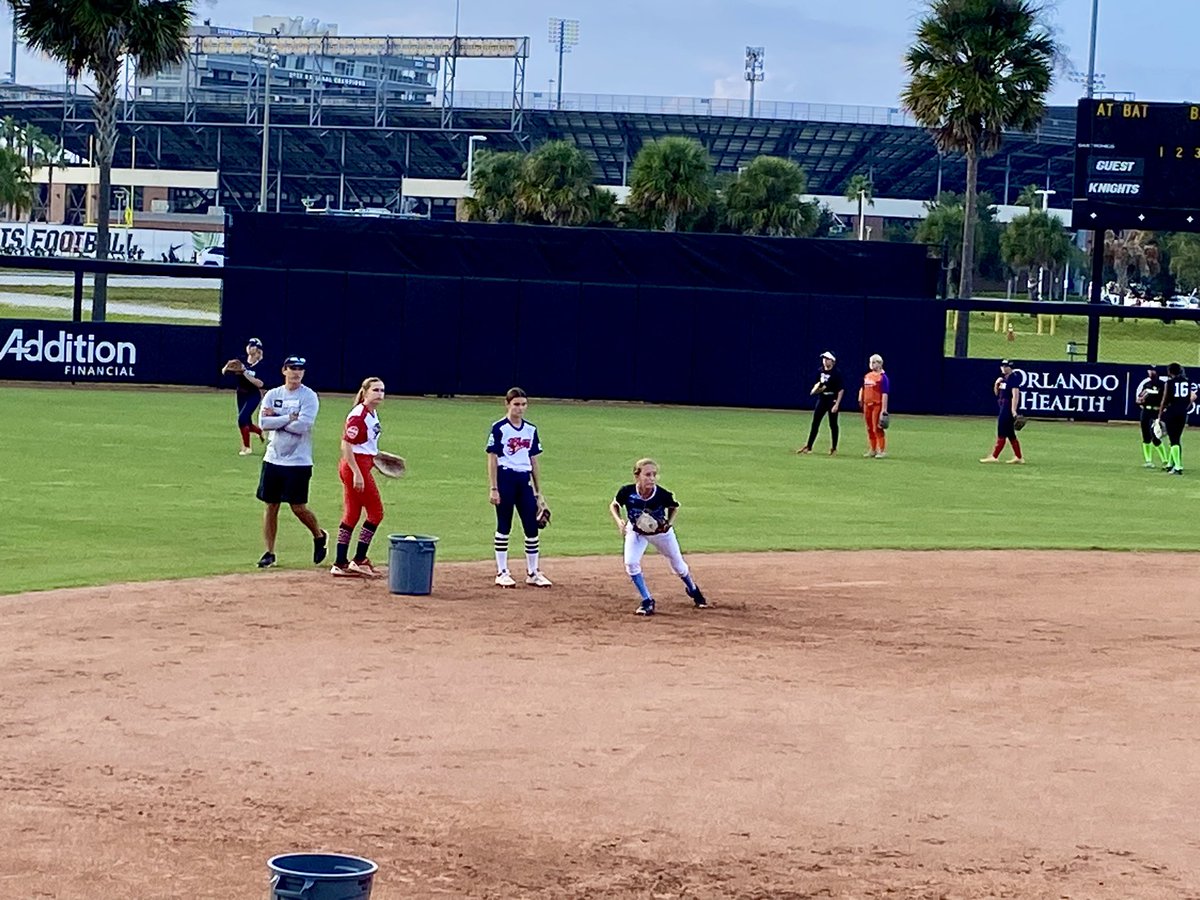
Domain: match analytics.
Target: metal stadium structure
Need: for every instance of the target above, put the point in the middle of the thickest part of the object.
(354, 149)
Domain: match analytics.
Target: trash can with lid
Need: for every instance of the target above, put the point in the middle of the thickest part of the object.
(321, 876)
(410, 563)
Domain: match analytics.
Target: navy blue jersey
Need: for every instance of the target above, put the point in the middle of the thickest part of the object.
(246, 387)
(1007, 384)
(656, 504)
(514, 446)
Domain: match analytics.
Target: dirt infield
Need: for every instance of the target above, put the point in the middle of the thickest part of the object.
(837, 725)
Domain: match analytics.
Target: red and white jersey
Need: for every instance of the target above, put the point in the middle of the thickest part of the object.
(362, 431)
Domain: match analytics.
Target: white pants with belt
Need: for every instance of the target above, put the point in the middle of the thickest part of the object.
(665, 543)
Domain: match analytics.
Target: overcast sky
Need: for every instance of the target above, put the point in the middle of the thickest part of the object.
(844, 51)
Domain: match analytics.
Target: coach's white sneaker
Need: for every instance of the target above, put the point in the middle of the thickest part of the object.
(537, 579)
(882, 454)
(505, 580)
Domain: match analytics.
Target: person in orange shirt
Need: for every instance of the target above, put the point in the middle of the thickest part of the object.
(873, 399)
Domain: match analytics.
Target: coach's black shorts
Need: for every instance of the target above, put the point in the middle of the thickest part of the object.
(284, 484)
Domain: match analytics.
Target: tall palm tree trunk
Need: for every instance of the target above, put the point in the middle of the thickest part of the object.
(966, 284)
(105, 110)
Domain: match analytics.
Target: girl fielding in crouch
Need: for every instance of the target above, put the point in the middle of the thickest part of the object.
(360, 443)
(651, 511)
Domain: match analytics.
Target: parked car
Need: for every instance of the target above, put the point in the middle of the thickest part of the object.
(211, 256)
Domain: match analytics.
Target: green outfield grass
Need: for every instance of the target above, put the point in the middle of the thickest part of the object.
(1130, 341)
(104, 485)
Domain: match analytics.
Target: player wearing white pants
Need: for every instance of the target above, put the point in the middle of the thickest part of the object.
(650, 510)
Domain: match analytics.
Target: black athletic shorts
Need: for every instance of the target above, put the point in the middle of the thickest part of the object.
(284, 484)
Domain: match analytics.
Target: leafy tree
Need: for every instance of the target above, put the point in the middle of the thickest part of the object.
(494, 180)
(1131, 252)
(671, 178)
(978, 67)
(16, 188)
(1029, 197)
(605, 210)
(555, 186)
(1185, 260)
(766, 197)
(96, 36)
(943, 227)
(1034, 242)
(861, 189)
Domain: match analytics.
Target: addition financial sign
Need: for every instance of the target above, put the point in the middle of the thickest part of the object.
(1137, 165)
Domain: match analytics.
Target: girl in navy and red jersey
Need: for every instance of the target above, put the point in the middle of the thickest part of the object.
(514, 483)
(360, 444)
(249, 393)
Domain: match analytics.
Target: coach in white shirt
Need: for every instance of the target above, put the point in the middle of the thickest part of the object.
(287, 416)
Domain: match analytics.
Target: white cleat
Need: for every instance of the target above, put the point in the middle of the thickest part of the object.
(505, 580)
(537, 579)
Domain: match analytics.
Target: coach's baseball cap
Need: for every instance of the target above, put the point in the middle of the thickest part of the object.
(254, 342)
(1006, 362)
(828, 355)
(295, 362)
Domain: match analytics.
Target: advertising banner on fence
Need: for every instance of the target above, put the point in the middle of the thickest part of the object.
(38, 350)
(1059, 390)
(139, 244)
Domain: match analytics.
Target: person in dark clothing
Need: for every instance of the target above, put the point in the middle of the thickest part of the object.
(828, 390)
(1177, 400)
(1149, 398)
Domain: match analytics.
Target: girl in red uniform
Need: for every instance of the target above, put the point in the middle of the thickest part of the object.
(360, 444)
(873, 400)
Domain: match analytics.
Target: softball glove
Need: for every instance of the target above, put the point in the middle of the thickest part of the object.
(884, 421)
(1156, 427)
(543, 514)
(390, 465)
(1018, 423)
(236, 366)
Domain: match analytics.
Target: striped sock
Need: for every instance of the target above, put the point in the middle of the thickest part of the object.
(501, 547)
(531, 554)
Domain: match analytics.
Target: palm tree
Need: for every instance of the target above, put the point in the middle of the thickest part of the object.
(16, 188)
(671, 177)
(1030, 197)
(860, 188)
(494, 179)
(1131, 251)
(556, 185)
(1034, 242)
(96, 37)
(1185, 259)
(766, 198)
(978, 67)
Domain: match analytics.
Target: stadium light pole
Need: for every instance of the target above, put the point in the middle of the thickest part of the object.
(1091, 73)
(564, 34)
(754, 71)
(269, 62)
(471, 155)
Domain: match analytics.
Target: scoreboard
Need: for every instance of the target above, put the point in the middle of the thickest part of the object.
(1137, 165)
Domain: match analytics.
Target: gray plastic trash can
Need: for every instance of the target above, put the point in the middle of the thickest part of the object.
(321, 876)
(410, 563)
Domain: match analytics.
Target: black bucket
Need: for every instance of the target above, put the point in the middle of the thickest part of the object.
(321, 876)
